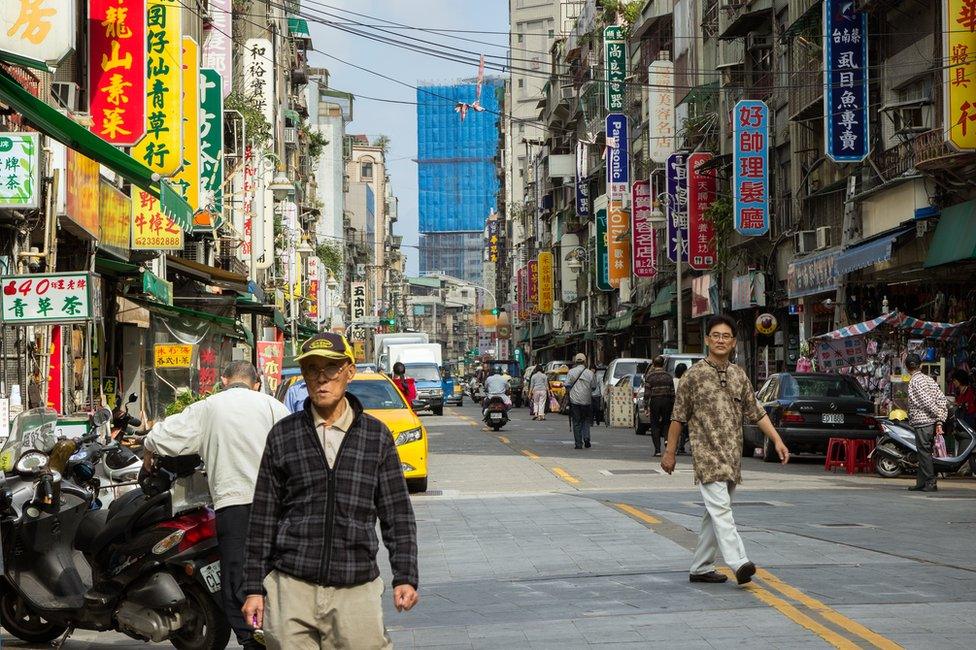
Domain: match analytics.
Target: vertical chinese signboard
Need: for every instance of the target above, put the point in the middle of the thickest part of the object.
(582, 188)
(211, 150)
(259, 76)
(249, 197)
(314, 269)
(546, 282)
(643, 243)
(117, 70)
(701, 195)
(82, 192)
(602, 254)
(660, 110)
(959, 73)
(115, 210)
(37, 33)
(18, 170)
(533, 293)
(846, 120)
(521, 289)
(358, 301)
(151, 229)
(615, 62)
(217, 50)
(187, 180)
(162, 147)
(677, 189)
(618, 242)
(271, 355)
(618, 160)
(491, 235)
(750, 166)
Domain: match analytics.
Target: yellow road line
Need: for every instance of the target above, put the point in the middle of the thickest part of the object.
(638, 514)
(564, 475)
(504, 440)
(795, 615)
(828, 613)
(530, 454)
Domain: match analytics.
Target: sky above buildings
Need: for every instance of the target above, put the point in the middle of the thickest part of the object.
(399, 121)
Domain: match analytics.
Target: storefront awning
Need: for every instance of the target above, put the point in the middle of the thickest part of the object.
(106, 266)
(622, 322)
(56, 125)
(298, 27)
(869, 253)
(914, 326)
(208, 274)
(955, 236)
(663, 304)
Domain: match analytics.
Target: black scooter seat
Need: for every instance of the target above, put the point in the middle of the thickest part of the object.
(102, 527)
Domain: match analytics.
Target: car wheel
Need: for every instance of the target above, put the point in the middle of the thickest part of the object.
(748, 449)
(769, 452)
(416, 485)
(437, 410)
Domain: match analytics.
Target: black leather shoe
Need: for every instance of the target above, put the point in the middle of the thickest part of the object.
(745, 572)
(924, 488)
(578, 447)
(711, 576)
(587, 444)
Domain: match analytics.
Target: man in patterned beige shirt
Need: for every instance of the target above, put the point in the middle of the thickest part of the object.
(712, 399)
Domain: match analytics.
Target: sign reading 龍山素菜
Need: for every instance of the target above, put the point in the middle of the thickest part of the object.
(750, 167)
(18, 170)
(172, 355)
(46, 298)
(117, 70)
(846, 119)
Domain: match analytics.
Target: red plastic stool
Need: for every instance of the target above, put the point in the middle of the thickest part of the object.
(859, 453)
(837, 454)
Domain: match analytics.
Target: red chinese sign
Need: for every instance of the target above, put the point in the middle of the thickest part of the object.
(271, 355)
(117, 70)
(701, 195)
(55, 369)
(208, 369)
(532, 294)
(250, 181)
(313, 300)
(643, 239)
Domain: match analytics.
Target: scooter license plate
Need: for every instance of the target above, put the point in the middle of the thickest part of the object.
(496, 416)
(833, 418)
(211, 575)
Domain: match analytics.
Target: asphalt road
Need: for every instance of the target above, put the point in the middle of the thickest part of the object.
(528, 542)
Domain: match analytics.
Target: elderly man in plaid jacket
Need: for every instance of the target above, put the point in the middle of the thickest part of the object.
(328, 472)
(927, 412)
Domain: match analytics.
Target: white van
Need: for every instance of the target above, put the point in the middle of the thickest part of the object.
(673, 361)
(620, 368)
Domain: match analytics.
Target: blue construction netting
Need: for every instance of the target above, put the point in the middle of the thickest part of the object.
(457, 179)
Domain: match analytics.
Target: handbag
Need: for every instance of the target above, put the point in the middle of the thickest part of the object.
(564, 403)
(939, 447)
(554, 405)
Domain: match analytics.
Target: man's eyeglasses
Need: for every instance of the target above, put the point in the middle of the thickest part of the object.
(327, 373)
(721, 336)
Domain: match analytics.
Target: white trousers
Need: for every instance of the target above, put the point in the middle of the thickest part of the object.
(718, 530)
(539, 397)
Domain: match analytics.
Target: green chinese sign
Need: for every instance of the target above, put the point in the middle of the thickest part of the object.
(211, 149)
(602, 252)
(46, 298)
(19, 170)
(615, 62)
(161, 290)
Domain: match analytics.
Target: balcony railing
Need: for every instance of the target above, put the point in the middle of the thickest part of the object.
(806, 88)
(932, 152)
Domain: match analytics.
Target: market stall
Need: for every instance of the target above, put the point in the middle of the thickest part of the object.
(874, 353)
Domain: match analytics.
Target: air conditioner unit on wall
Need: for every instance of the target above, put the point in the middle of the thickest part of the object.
(823, 237)
(806, 241)
(756, 41)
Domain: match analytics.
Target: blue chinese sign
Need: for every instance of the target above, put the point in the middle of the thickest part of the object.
(677, 189)
(750, 182)
(618, 168)
(846, 128)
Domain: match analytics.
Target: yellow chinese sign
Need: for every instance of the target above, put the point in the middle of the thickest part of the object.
(162, 147)
(188, 178)
(172, 355)
(545, 282)
(959, 43)
(151, 229)
(38, 33)
(115, 210)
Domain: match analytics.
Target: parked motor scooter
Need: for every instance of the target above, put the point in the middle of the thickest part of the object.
(496, 412)
(148, 565)
(896, 452)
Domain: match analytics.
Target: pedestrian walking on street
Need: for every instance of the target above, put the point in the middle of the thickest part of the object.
(228, 430)
(712, 399)
(539, 390)
(327, 474)
(659, 400)
(927, 412)
(579, 382)
(407, 385)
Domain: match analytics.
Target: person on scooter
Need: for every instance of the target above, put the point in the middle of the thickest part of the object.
(228, 430)
(927, 412)
(497, 386)
(327, 474)
(407, 385)
(965, 396)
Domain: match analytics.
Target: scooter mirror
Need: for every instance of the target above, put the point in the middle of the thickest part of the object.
(101, 416)
(133, 398)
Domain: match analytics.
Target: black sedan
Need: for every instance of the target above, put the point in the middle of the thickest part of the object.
(808, 409)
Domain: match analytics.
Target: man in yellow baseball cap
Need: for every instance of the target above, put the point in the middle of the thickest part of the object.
(326, 345)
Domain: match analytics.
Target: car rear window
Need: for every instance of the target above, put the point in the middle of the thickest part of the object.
(629, 368)
(376, 394)
(839, 386)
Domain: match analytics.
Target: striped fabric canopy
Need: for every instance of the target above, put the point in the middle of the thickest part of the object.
(919, 328)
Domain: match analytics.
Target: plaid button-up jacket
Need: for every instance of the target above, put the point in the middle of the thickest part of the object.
(319, 524)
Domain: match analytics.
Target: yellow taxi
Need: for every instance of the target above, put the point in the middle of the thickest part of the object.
(557, 381)
(383, 400)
